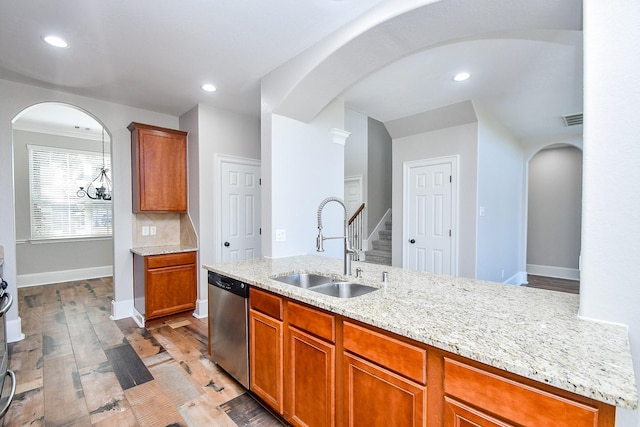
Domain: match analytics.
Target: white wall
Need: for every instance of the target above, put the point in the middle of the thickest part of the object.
(213, 131)
(500, 184)
(460, 140)
(306, 167)
(15, 98)
(379, 163)
(610, 286)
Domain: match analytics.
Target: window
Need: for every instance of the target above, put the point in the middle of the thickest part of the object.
(55, 176)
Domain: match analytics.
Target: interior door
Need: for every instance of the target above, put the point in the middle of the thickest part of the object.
(240, 211)
(352, 193)
(429, 217)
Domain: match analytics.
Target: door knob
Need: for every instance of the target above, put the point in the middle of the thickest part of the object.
(412, 241)
(227, 244)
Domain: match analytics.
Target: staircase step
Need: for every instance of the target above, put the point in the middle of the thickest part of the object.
(388, 225)
(384, 234)
(378, 257)
(382, 245)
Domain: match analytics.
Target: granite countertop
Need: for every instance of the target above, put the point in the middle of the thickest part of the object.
(530, 332)
(162, 250)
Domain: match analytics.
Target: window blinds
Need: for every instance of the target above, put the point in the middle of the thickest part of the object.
(55, 176)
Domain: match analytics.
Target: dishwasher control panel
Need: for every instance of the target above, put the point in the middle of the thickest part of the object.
(228, 284)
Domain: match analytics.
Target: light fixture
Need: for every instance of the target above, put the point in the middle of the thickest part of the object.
(55, 41)
(208, 87)
(460, 77)
(100, 188)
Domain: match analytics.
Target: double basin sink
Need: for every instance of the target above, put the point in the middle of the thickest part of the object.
(326, 285)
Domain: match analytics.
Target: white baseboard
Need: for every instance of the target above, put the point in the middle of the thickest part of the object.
(14, 330)
(121, 309)
(517, 279)
(202, 309)
(137, 317)
(551, 271)
(36, 279)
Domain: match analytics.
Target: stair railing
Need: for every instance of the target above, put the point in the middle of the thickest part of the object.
(355, 232)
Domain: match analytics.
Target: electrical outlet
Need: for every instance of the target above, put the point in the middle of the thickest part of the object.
(152, 230)
(145, 230)
(281, 235)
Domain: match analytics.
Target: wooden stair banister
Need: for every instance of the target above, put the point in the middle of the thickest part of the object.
(356, 213)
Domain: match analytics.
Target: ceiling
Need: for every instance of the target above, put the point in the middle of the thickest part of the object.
(156, 55)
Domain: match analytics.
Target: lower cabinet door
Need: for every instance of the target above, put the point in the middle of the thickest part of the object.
(375, 396)
(265, 350)
(311, 380)
(458, 414)
(170, 290)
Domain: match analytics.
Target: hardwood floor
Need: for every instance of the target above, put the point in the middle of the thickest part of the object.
(77, 367)
(553, 284)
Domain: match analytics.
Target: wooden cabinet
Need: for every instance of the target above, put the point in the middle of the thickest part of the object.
(480, 397)
(333, 371)
(384, 379)
(159, 169)
(310, 368)
(266, 367)
(165, 284)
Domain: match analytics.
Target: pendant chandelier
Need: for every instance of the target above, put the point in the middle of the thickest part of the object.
(100, 188)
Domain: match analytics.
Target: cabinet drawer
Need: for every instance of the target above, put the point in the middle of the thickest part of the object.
(313, 321)
(396, 355)
(516, 402)
(169, 260)
(266, 303)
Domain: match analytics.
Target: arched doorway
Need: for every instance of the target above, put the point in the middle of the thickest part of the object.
(61, 234)
(554, 217)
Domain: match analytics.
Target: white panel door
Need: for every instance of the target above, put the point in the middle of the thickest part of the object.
(429, 218)
(352, 193)
(240, 211)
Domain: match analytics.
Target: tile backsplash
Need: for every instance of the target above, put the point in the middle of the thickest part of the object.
(167, 229)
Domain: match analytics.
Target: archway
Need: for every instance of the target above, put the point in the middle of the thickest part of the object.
(60, 236)
(554, 211)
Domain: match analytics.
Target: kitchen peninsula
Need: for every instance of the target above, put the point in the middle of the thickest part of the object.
(525, 343)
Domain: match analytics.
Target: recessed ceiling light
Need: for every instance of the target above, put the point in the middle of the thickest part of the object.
(55, 41)
(460, 77)
(208, 87)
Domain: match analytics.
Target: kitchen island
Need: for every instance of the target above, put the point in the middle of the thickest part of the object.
(532, 333)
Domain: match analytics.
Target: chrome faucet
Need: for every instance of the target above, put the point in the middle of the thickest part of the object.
(320, 239)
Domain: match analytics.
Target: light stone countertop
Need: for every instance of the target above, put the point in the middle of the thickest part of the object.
(530, 332)
(162, 250)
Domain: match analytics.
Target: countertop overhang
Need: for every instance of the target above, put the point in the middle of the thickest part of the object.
(162, 250)
(529, 332)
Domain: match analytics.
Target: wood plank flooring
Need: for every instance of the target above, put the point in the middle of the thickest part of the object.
(77, 367)
(553, 284)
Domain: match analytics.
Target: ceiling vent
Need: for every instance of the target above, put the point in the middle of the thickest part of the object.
(572, 119)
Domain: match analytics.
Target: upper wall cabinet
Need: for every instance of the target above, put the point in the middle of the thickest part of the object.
(159, 169)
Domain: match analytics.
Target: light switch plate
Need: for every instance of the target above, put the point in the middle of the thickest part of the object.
(152, 230)
(145, 230)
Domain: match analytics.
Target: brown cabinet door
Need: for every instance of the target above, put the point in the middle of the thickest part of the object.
(376, 397)
(170, 290)
(310, 380)
(159, 173)
(460, 415)
(266, 367)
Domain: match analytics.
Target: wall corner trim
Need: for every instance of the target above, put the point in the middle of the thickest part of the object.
(339, 136)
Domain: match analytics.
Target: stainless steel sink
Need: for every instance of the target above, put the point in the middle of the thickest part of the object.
(325, 285)
(304, 280)
(343, 289)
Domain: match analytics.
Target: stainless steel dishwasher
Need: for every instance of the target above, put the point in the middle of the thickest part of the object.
(228, 309)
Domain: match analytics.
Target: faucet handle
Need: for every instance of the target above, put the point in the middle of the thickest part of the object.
(358, 273)
(385, 276)
(319, 242)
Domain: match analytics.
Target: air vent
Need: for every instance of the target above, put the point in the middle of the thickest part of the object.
(572, 119)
